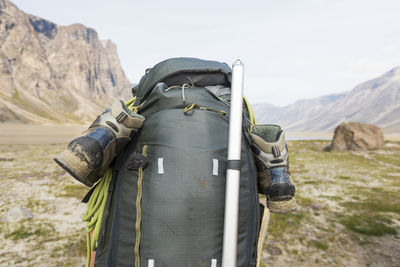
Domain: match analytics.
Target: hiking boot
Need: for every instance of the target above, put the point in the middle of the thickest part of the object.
(274, 180)
(87, 157)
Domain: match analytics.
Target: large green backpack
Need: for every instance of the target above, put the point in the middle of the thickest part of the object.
(165, 204)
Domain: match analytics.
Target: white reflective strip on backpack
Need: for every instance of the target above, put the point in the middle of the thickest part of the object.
(215, 167)
(150, 263)
(160, 165)
(214, 263)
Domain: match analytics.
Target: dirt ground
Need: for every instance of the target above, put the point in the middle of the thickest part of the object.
(348, 205)
(30, 134)
(12, 134)
(348, 209)
(55, 236)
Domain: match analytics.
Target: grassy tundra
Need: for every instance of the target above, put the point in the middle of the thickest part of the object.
(348, 214)
(348, 209)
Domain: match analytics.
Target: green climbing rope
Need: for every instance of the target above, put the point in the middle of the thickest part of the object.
(96, 205)
(95, 212)
(252, 118)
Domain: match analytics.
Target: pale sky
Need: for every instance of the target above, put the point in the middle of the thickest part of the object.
(292, 49)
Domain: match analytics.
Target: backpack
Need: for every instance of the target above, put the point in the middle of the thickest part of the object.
(165, 199)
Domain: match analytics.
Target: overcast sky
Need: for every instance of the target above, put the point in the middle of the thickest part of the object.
(291, 49)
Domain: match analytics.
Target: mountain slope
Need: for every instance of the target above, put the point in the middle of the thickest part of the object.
(376, 101)
(53, 73)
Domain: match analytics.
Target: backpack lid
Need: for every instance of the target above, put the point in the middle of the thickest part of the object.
(174, 66)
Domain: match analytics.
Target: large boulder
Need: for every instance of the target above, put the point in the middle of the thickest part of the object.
(357, 136)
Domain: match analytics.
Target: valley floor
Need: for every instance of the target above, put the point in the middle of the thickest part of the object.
(15, 133)
(55, 236)
(348, 208)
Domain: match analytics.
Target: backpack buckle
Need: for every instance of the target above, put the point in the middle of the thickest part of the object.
(137, 161)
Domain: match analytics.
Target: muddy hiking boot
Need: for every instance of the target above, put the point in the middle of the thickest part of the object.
(274, 180)
(87, 157)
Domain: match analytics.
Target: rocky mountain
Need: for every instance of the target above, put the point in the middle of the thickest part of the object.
(375, 102)
(52, 73)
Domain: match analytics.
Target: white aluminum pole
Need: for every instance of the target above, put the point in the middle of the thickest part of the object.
(229, 252)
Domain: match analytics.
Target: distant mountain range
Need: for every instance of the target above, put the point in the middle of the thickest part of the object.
(376, 102)
(51, 73)
(65, 74)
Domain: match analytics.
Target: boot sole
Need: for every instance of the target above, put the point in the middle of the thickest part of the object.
(76, 167)
(282, 206)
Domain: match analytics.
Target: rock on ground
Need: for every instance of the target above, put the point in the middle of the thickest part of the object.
(357, 136)
(17, 214)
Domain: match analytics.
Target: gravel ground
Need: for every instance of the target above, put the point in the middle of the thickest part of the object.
(348, 212)
(348, 209)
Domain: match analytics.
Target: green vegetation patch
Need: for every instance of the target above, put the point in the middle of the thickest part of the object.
(285, 223)
(344, 177)
(297, 168)
(75, 246)
(349, 161)
(26, 230)
(77, 191)
(333, 198)
(304, 201)
(40, 206)
(376, 206)
(313, 145)
(319, 244)
(312, 182)
(393, 158)
(374, 199)
(372, 226)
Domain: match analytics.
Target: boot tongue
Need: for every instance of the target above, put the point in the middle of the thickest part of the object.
(269, 133)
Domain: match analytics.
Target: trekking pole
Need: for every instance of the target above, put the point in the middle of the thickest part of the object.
(229, 252)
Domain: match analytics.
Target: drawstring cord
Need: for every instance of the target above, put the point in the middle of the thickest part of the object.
(185, 85)
(195, 106)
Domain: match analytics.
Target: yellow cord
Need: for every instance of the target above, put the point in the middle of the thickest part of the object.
(139, 211)
(130, 102)
(252, 118)
(193, 106)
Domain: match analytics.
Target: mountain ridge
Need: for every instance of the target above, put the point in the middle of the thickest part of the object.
(53, 73)
(376, 101)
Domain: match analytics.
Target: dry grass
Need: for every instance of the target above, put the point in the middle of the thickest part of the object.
(348, 213)
(348, 209)
(55, 235)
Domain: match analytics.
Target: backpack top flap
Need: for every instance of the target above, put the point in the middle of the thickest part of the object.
(174, 66)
